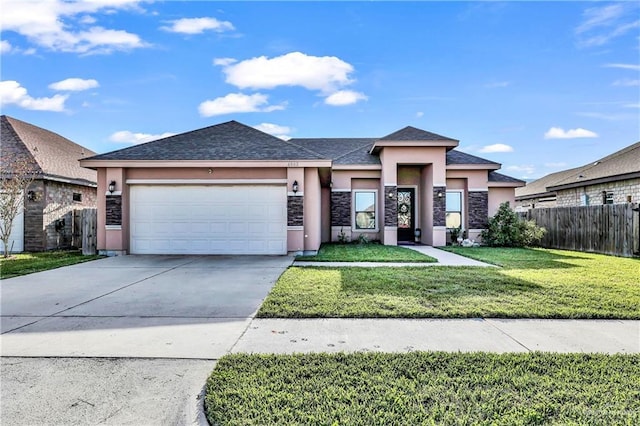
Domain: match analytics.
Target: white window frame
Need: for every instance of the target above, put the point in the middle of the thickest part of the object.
(608, 196)
(354, 227)
(462, 218)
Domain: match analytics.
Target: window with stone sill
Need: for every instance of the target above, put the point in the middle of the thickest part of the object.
(77, 197)
(365, 210)
(607, 197)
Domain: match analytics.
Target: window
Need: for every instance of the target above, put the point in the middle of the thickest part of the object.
(454, 209)
(607, 197)
(77, 196)
(364, 210)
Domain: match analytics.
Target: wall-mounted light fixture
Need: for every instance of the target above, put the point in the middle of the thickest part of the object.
(294, 187)
(390, 195)
(210, 171)
(439, 194)
(112, 186)
(32, 196)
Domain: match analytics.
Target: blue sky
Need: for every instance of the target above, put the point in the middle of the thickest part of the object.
(536, 86)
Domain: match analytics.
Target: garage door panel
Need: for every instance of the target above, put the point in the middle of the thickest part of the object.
(208, 219)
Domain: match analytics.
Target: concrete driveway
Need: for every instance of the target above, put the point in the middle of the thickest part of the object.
(124, 340)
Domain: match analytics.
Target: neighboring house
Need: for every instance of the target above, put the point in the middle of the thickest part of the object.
(61, 187)
(613, 179)
(230, 188)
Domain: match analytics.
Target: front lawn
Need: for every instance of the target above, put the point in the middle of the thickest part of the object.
(371, 252)
(28, 263)
(424, 388)
(532, 284)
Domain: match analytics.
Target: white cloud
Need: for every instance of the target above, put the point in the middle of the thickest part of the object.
(323, 73)
(276, 130)
(632, 67)
(603, 24)
(525, 170)
(224, 61)
(419, 114)
(496, 147)
(497, 84)
(559, 133)
(198, 25)
(125, 136)
(636, 105)
(344, 97)
(5, 46)
(237, 102)
(74, 85)
(12, 93)
(599, 16)
(50, 24)
(626, 82)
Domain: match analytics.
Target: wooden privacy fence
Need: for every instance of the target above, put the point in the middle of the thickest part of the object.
(89, 231)
(609, 229)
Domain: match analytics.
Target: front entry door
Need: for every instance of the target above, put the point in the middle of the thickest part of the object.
(406, 214)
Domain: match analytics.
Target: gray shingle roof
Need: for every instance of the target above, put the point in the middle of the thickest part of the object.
(620, 163)
(53, 155)
(499, 177)
(459, 157)
(341, 150)
(225, 141)
(623, 162)
(412, 134)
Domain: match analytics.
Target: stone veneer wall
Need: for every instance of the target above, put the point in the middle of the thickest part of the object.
(114, 210)
(390, 206)
(341, 208)
(54, 201)
(478, 209)
(295, 210)
(439, 206)
(621, 189)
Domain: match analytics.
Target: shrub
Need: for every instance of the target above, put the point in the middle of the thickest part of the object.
(506, 229)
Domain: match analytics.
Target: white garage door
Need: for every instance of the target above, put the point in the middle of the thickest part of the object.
(16, 242)
(199, 219)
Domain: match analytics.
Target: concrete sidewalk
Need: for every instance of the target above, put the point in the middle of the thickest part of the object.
(285, 336)
(444, 258)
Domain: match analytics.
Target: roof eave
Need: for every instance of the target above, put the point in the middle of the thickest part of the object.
(445, 143)
(485, 166)
(536, 195)
(93, 164)
(596, 181)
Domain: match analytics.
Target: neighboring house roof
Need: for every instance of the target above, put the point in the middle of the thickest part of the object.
(54, 156)
(623, 164)
(499, 177)
(225, 141)
(538, 187)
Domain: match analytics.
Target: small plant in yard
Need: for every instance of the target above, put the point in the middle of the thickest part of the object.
(342, 237)
(506, 229)
(363, 239)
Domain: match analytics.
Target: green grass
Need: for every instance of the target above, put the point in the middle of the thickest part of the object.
(372, 252)
(532, 284)
(424, 388)
(28, 263)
